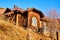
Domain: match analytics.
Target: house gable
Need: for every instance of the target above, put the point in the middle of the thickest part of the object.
(34, 13)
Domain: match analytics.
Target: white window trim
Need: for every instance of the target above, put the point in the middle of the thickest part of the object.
(34, 21)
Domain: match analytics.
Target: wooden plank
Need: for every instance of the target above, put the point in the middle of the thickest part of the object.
(17, 20)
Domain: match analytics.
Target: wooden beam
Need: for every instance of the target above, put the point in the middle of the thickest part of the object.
(17, 20)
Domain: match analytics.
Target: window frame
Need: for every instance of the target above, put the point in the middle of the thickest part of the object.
(36, 21)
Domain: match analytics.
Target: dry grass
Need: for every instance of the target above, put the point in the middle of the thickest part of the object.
(9, 31)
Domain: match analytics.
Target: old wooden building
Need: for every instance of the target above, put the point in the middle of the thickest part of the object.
(30, 18)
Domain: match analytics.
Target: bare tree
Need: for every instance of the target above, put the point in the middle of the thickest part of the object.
(52, 14)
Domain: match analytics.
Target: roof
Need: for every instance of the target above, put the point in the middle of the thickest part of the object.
(46, 19)
(2, 10)
(18, 9)
(35, 10)
(23, 12)
(7, 10)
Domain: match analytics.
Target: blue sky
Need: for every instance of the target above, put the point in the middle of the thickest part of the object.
(42, 5)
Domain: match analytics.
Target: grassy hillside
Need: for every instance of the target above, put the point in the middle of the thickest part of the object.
(9, 31)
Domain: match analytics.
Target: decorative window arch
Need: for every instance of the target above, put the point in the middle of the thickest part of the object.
(34, 21)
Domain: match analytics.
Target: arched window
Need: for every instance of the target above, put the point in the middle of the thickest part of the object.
(34, 21)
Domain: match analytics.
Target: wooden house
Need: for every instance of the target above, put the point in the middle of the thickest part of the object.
(30, 18)
(34, 17)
